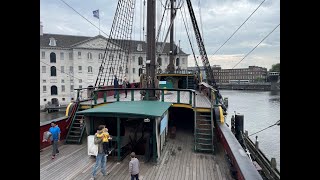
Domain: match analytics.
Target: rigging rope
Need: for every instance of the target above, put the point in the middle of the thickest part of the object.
(194, 56)
(256, 46)
(238, 28)
(277, 123)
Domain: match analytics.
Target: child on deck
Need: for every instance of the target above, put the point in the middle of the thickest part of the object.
(105, 139)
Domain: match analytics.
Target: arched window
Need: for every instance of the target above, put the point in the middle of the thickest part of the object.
(53, 57)
(53, 71)
(54, 90)
(177, 62)
(100, 56)
(89, 69)
(140, 61)
(89, 55)
(140, 71)
(159, 61)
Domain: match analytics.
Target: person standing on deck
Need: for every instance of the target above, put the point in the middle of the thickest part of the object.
(116, 85)
(126, 84)
(101, 159)
(134, 167)
(55, 133)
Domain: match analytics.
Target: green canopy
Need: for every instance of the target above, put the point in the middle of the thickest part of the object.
(137, 108)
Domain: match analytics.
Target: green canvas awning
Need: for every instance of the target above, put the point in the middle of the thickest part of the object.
(127, 108)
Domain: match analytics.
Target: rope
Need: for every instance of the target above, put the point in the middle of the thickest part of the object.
(277, 123)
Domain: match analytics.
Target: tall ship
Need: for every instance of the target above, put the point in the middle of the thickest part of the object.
(173, 119)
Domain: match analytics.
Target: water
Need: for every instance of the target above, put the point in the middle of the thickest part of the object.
(260, 109)
(44, 116)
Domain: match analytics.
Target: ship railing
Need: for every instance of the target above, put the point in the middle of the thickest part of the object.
(182, 71)
(180, 96)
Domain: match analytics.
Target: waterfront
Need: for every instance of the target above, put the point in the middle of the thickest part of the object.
(260, 109)
(44, 116)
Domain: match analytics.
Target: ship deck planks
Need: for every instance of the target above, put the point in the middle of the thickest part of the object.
(73, 163)
(201, 100)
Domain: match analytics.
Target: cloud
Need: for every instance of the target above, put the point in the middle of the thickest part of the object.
(220, 18)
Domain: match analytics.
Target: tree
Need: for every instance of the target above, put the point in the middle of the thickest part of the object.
(275, 68)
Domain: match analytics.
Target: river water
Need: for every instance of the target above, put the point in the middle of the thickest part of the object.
(260, 109)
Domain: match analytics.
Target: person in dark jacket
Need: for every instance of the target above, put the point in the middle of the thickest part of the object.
(116, 85)
(126, 84)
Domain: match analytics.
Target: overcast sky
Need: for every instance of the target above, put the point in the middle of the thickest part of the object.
(220, 18)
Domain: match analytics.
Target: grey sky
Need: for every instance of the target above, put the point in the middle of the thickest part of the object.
(220, 18)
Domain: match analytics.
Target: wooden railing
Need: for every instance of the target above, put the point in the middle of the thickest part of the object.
(97, 93)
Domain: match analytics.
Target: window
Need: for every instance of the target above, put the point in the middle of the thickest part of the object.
(70, 56)
(44, 69)
(52, 42)
(120, 69)
(61, 56)
(44, 99)
(89, 69)
(133, 59)
(111, 57)
(44, 81)
(177, 62)
(166, 60)
(89, 55)
(44, 89)
(53, 57)
(54, 90)
(71, 88)
(53, 71)
(62, 80)
(79, 55)
(139, 47)
(100, 56)
(159, 60)
(127, 71)
(183, 61)
(80, 86)
(62, 69)
(71, 69)
(63, 99)
(120, 56)
(80, 68)
(140, 71)
(133, 70)
(63, 88)
(43, 55)
(80, 80)
(72, 99)
(111, 70)
(140, 60)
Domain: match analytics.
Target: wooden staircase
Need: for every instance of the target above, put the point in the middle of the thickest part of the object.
(76, 128)
(203, 133)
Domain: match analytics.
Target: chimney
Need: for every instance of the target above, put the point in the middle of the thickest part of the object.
(41, 29)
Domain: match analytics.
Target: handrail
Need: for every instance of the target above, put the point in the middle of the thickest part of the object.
(191, 91)
(73, 116)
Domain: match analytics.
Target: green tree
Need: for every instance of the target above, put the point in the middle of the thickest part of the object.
(275, 68)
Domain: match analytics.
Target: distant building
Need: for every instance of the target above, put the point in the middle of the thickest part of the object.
(249, 75)
(68, 62)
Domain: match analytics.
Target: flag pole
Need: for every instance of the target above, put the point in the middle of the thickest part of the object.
(99, 25)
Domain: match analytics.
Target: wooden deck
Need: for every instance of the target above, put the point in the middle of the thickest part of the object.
(201, 100)
(74, 163)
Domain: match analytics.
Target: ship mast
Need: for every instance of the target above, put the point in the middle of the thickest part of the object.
(151, 54)
(170, 67)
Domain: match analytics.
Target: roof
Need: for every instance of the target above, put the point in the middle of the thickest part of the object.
(129, 108)
(70, 41)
